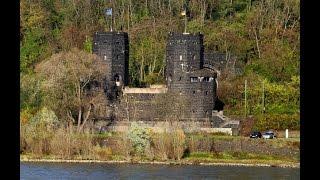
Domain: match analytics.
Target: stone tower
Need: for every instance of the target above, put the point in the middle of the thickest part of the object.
(186, 75)
(113, 48)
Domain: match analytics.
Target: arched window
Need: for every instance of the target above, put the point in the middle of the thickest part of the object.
(117, 79)
(170, 78)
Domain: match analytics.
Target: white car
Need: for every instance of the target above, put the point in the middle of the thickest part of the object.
(268, 135)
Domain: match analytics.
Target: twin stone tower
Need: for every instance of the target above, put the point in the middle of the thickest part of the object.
(191, 75)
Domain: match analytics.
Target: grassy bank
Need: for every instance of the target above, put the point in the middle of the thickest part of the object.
(140, 144)
(187, 161)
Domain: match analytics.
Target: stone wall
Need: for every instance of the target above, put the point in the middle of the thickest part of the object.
(185, 74)
(189, 97)
(113, 48)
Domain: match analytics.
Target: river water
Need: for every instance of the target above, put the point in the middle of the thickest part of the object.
(43, 170)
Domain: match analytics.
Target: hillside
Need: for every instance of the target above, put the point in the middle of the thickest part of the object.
(263, 34)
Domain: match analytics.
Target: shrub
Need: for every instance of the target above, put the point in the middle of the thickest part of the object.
(169, 145)
(139, 137)
(178, 143)
(161, 143)
(62, 144)
(103, 153)
(123, 146)
(36, 134)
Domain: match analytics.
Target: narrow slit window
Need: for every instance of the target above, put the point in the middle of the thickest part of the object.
(105, 58)
(180, 57)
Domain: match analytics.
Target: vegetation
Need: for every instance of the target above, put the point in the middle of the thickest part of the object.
(143, 144)
(262, 34)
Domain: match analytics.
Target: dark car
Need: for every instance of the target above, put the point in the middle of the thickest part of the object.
(256, 134)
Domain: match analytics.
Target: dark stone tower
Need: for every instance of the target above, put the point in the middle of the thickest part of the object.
(186, 76)
(184, 55)
(113, 48)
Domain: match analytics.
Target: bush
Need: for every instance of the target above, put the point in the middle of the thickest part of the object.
(103, 153)
(36, 134)
(178, 143)
(140, 138)
(169, 145)
(123, 146)
(161, 143)
(62, 144)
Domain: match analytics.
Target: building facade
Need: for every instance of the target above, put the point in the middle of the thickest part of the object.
(187, 76)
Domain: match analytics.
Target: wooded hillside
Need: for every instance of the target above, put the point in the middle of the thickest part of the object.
(263, 34)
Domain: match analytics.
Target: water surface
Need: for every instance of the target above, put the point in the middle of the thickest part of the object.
(45, 170)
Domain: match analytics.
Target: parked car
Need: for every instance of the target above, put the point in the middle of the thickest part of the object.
(256, 134)
(269, 135)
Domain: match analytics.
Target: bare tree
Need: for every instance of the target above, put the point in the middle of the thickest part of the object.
(72, 82)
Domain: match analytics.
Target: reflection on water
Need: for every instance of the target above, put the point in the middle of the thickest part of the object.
(147, 171)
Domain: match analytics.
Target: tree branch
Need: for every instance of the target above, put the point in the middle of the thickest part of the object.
(87, 116)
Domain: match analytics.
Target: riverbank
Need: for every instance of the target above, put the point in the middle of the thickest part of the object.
(217, 162)
(140, 145)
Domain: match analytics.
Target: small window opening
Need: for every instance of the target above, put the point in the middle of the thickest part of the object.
(105, 58)
(170, 77)
(193, 79)
(194, 92)
(180, 78)
(180, 57)
(206, 92)
(194, 57)
(206, 79)
(117, 79)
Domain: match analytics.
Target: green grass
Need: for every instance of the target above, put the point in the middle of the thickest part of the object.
(238, 157)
